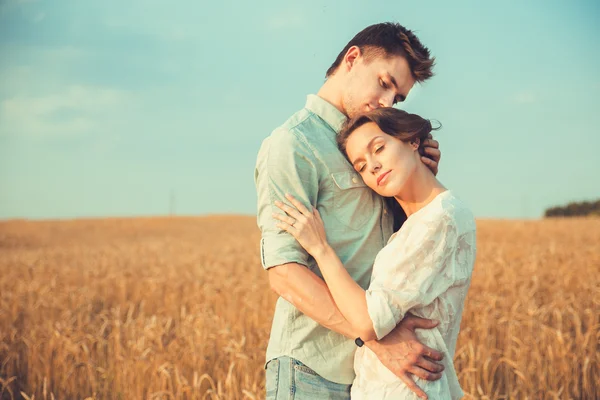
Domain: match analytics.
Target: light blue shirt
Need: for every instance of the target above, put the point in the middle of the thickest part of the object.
(301, 157)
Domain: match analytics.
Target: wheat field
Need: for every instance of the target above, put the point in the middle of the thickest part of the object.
(180, 308)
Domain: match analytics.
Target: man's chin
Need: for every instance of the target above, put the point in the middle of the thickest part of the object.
(355, 113)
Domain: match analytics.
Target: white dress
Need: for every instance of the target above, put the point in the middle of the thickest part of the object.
(426, 269)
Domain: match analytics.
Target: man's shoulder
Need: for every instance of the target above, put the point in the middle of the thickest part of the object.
(303, 125)
(297, 132)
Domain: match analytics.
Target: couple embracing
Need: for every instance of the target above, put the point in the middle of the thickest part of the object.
(360, 241)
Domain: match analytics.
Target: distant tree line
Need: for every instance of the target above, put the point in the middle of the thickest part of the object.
(575, 209)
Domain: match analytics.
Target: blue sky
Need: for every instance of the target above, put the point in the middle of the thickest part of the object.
(113, 108)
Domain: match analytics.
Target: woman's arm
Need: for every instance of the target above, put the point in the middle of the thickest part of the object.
(417, 270)
(349, 297)
(347, 294)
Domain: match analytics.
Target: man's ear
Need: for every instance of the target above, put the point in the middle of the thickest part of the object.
(351, 56)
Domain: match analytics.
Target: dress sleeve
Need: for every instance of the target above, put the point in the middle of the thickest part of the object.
(416, 269)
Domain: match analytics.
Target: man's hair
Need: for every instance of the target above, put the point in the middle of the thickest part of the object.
(390, 39)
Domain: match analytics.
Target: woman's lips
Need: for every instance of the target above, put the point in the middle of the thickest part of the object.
(382, 177)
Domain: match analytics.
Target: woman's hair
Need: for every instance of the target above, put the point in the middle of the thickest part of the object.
(397, 123)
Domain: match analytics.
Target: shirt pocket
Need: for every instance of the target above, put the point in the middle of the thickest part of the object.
(353, 201)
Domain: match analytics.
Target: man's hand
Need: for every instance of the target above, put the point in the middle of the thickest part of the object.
(431, 154)
(402, 353)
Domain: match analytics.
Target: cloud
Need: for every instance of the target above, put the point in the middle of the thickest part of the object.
(525, 97)
(75, 110)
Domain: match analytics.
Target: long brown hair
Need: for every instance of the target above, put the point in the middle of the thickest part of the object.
(397, 123)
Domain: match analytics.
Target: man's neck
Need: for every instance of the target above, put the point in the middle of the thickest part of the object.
(331, 93)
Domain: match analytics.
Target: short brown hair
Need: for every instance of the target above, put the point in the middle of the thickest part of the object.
(390, 39)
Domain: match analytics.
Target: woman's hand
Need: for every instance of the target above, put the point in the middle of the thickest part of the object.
(306, 226)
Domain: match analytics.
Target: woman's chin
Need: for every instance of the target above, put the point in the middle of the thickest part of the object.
(383, 192)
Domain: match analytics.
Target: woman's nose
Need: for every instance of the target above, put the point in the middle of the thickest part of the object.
(376, 166)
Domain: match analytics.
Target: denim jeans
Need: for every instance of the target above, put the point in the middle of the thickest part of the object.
(288, 379)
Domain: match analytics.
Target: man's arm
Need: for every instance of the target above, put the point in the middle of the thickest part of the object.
(309, 294)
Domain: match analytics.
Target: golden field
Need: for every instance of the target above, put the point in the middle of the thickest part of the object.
(180, 308)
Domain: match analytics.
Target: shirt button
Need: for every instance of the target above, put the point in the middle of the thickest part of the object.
(354, 180)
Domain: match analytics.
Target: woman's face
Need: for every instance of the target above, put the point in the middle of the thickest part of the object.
(384, 162)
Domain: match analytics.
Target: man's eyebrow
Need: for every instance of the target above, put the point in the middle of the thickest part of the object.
(393, 80)
(368, 147)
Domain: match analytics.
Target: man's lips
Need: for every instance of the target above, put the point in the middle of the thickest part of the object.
(380, 178)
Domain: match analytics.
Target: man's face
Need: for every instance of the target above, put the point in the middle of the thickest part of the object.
(381, 82)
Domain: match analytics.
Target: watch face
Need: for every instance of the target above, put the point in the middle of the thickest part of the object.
(359, 342)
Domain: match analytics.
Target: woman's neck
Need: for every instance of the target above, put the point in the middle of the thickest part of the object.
(421, 188)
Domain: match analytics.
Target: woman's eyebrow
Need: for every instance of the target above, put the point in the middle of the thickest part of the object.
(369, 145)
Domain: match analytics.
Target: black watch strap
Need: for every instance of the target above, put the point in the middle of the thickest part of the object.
(359, 342)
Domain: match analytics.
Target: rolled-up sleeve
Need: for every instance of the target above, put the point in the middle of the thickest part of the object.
(417, 269)
(285, 164)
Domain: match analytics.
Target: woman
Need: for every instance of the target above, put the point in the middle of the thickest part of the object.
(426, 266)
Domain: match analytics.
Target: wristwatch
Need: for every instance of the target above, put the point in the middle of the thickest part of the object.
(359, 342)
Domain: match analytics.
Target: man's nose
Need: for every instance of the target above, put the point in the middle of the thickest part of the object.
(387, 100)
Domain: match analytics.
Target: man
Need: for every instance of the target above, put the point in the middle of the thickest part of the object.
(311, 348)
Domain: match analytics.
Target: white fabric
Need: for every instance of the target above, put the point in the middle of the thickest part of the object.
(426, 269)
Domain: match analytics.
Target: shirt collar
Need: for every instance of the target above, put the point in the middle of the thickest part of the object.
(327, 111)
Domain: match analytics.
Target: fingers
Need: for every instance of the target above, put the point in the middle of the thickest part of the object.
(317, 214)
(298, 205)
(284, 218)
(288, 228)
(432, 165)
(421, 373)
(433, 153)
(289, 210)
(432, 353)
(412, 322)
(413, 386)
(429, 366)
(431, 143)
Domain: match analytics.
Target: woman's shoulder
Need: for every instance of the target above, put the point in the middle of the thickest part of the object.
(457, 212)
(445, 213)
(447, 209)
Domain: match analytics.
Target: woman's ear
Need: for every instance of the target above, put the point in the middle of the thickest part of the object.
(415, 143)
